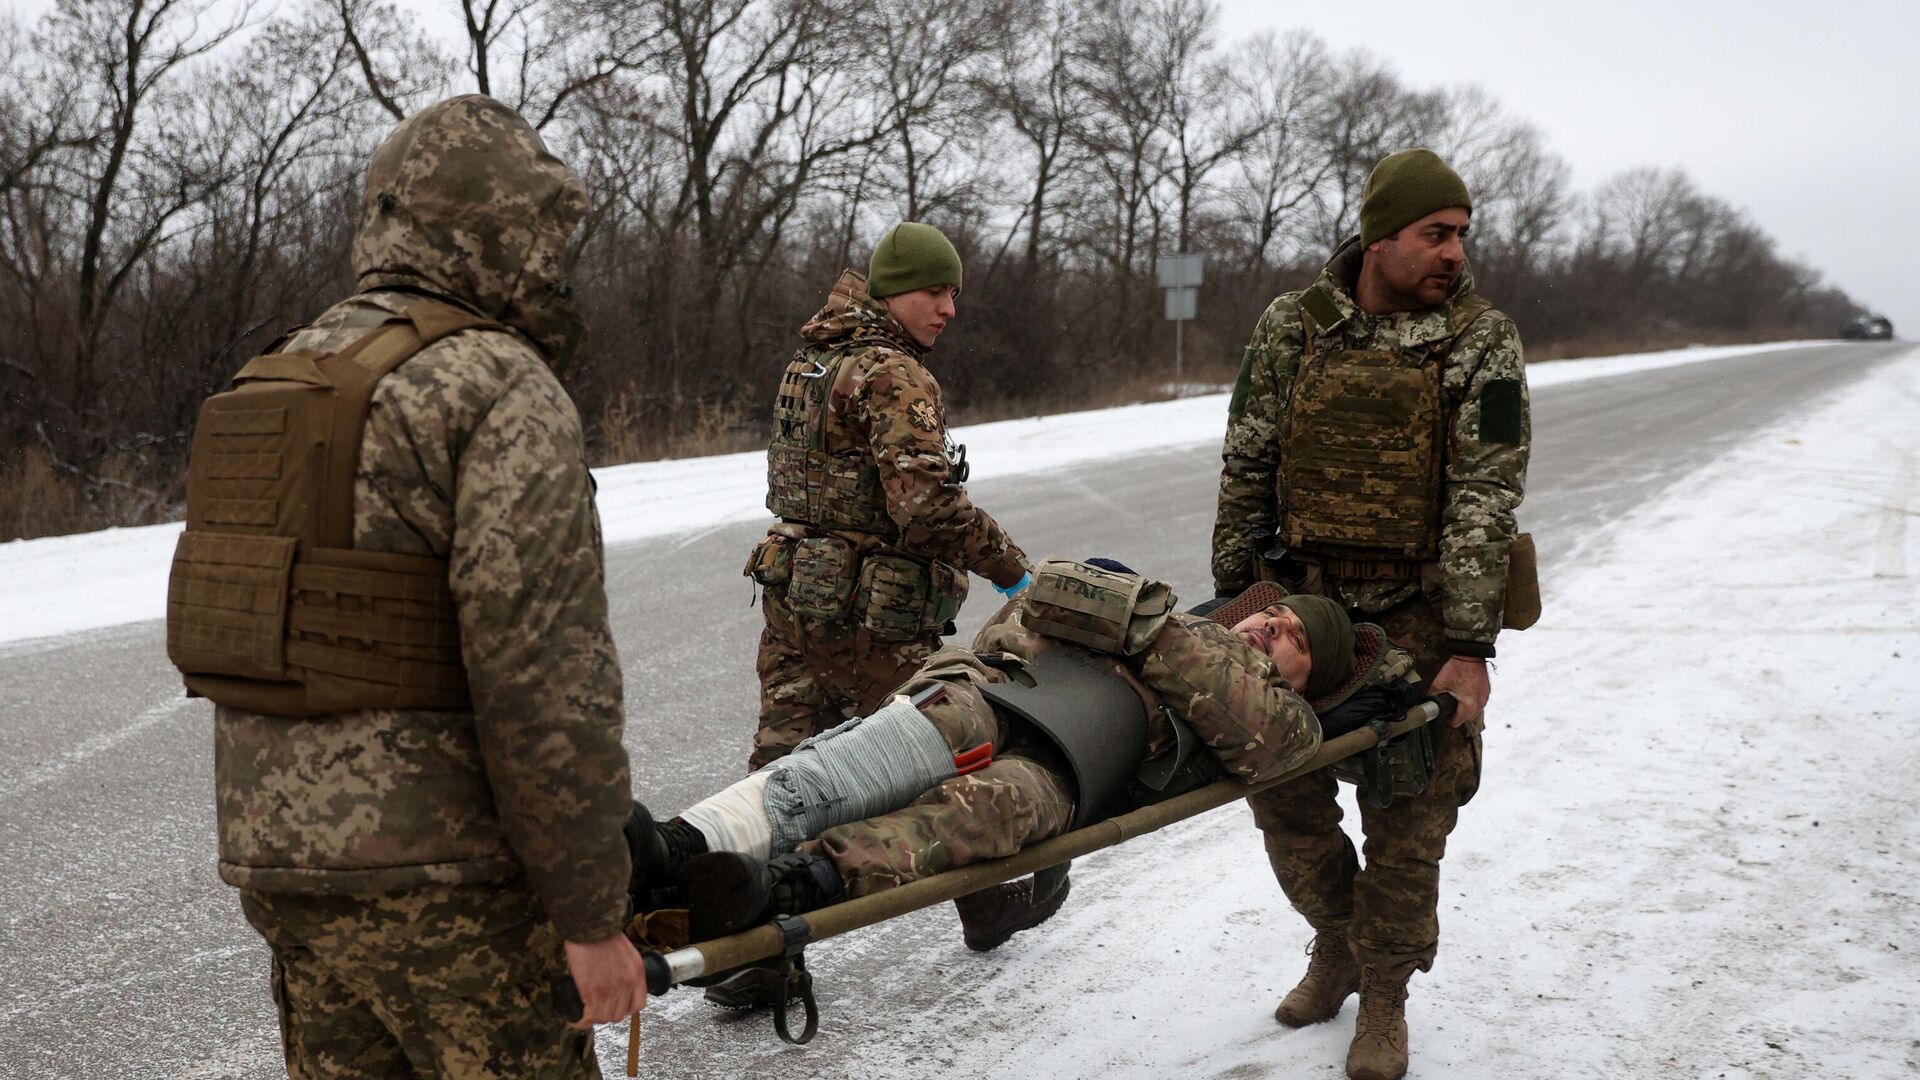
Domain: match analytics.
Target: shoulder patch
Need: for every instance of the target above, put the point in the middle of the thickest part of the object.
(1241, 385)
(921, 414)
(1500, 405)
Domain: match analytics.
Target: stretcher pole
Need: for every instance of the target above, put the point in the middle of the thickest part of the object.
(785, 936)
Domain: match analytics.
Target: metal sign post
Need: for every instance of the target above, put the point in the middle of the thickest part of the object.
(1180, 276)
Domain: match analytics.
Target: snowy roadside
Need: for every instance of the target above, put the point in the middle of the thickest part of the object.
(1692, 853)
(65, 584)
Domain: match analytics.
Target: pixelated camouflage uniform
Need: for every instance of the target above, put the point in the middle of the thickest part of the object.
(1453, 608)
(415, 871)
(884, 410)
(1195, 670)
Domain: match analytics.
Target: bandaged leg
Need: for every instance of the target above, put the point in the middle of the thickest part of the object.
(864, 767)
(988, 814)
(736, 818)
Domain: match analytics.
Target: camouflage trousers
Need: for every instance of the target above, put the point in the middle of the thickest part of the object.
(445, 981)
(1019, 798)
(1389, 905)
(814, 676)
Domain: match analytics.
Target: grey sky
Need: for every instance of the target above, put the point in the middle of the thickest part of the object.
(1803, 114)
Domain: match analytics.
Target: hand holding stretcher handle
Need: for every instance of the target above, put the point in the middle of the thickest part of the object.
(566, 996)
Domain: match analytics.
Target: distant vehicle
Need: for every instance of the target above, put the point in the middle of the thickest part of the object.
(1867, 328)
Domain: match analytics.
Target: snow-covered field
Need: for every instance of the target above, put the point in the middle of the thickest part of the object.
(62, 584)
(1693, 854)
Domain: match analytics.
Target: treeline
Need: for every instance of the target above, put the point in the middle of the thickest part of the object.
(179, 178)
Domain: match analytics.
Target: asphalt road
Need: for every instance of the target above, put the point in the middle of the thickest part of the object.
(122, 954)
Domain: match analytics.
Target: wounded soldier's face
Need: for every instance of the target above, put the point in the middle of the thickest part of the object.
(1278, 632)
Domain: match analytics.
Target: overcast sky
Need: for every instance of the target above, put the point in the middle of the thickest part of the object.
(1806, 115)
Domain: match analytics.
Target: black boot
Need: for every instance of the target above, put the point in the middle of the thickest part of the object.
(725, 892)
(659, 851)
(991, 916)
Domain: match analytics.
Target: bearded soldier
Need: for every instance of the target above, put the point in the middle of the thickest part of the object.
(391, 586)
(1375, 452)
(869, 560)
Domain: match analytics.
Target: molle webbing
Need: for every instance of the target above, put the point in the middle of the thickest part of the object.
(1363, 444)
(808, 482)
(269, 608)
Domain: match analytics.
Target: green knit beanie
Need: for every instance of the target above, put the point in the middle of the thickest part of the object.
(911, 256)
(1406, 187)
(1329, 642)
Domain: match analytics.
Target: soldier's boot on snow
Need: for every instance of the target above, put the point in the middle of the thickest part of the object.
(1379, 1050)
(992, 915)
(1333, 975)
(659, 851)
(759, 985)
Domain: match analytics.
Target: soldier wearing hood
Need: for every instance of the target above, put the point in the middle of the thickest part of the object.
(868, 564)
(391, 586)
(1375, 452)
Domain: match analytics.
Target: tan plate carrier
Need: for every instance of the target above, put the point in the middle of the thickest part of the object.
(269, 607)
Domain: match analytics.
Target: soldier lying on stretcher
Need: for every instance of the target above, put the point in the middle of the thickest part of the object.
(1085, 697)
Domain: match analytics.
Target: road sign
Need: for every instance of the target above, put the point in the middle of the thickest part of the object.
(1182, 304)
(1179, 272)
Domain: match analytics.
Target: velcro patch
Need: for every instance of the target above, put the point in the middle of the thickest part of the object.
(1501, 405)
(1242, 384)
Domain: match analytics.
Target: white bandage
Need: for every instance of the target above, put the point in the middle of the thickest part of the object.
(867, 766)
(736, 818)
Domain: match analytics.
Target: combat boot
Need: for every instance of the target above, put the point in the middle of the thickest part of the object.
(1332, 977)
(658, 851)
(991, 916)
(726, 892)
(1379, 1050)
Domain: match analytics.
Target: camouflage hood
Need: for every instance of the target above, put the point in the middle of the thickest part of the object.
(853, 315)
(463, 200)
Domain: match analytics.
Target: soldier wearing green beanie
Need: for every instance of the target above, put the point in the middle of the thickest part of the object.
(868, 562)
(1420, 549)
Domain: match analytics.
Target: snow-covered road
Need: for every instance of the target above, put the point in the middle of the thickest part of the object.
(1693, 853)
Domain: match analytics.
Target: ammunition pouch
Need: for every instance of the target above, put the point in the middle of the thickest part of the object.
(770, 564)
(889, 596)
(1099, 609)
(1522, 608)
(825, 571)
(1095, 717)
(904, 599)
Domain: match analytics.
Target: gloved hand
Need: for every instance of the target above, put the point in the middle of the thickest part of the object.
(1015, 589)
(1388, 703)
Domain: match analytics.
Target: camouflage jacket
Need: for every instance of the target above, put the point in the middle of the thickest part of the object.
(472, 453)
(1485, 477)
(886, 404)
(1197, 671)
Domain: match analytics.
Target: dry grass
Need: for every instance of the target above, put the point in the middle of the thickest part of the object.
(623, 433)
(40, 498)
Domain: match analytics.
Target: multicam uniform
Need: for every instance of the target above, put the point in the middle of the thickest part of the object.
(876, 535)
(1193, 670)
(416, 869)
(1385, 455)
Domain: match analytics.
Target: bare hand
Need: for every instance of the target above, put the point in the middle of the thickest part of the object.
(1466, 680)
(611, 979)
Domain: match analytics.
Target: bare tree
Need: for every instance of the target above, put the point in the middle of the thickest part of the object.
(1030, 83)
(1279, 82)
